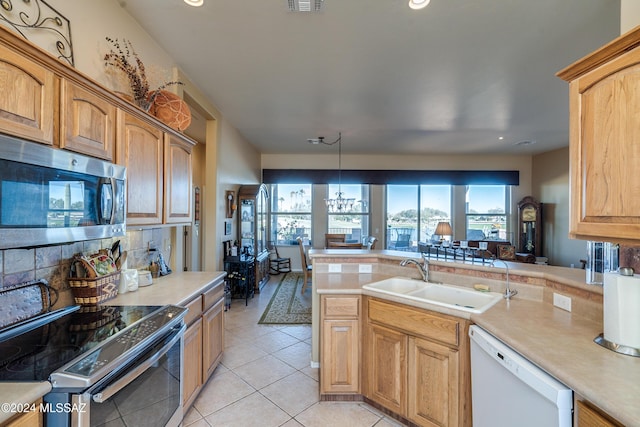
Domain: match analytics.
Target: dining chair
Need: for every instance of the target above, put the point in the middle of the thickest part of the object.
(277, 263)
(306, 267)
(330, 238)
(403, 243)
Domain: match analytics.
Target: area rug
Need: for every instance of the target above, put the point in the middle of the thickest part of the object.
(287, 305)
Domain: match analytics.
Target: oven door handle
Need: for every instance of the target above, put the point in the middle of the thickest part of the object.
(112, 389)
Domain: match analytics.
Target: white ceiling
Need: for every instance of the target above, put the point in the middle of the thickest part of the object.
(451, 78)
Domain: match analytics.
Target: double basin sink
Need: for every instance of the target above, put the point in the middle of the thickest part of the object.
(451, 296)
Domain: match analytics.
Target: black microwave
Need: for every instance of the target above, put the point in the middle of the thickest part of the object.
(51, 196)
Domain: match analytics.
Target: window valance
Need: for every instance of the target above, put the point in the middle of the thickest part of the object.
(381, 177)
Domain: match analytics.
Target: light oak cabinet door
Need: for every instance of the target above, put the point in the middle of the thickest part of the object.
(192, 381)
(588, 416)
(433, 384)
(178, 178)
(141, 150)
(387, 368)
(87, 122)
(340, 344)
(212, 338)
(604, 105)
(340, 356)
(28, 96)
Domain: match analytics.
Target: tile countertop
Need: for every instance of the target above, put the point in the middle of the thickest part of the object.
(23, 393)
(559, 342)
(176, 288)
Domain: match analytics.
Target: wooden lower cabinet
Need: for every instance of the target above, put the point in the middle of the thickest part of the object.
(387, 368)
(433, 389)
(340, 344)
(340, 362)
(589, 416)
(203, 341)
(192, 381)
(212, 338)
(416, 364)
(28, 419)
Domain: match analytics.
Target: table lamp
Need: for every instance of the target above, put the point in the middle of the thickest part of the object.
(443, 229)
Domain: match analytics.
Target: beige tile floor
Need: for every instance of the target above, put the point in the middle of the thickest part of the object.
(265, 378)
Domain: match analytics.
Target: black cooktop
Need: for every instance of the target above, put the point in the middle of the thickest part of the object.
(34, 354)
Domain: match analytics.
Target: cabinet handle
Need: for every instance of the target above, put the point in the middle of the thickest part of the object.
(341, 329)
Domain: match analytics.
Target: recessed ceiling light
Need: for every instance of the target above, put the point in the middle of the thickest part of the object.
(195, 3)
(501, 138)
(418, 4)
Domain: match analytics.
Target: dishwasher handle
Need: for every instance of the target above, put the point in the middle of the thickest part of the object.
(106, 393)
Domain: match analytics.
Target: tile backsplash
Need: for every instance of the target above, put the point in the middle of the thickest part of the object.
(52, 263)
(630, 257)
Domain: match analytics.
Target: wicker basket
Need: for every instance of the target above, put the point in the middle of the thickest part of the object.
(95, 291)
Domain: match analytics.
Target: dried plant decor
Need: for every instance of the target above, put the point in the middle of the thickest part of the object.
(124, 58)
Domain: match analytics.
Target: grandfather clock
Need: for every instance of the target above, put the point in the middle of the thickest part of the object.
(530, 226)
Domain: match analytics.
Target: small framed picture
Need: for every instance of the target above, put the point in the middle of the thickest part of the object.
(227, 228)
(506, 252)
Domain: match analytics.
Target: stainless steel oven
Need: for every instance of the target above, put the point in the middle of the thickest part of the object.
(50, 196)
(147, 392)
(120, 365)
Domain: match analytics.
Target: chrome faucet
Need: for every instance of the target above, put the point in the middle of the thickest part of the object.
(508, 293)
(422, 267)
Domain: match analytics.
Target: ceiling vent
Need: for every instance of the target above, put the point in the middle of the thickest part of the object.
(305, 5)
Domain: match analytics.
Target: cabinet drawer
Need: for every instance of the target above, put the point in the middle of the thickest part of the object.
(415, 321)
(195, 310)
(340, 307)
(212, 296)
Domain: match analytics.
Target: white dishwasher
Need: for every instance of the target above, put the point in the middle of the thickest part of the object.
(507, 390)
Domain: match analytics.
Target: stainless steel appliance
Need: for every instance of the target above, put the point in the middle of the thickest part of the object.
(508, 390)
(50, 196)
(105, 364)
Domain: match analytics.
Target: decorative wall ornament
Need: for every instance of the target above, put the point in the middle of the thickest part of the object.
(41, 24)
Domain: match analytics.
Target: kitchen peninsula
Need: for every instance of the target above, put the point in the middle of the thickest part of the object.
(559, 342)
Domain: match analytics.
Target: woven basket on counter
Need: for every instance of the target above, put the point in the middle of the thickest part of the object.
(95, 291)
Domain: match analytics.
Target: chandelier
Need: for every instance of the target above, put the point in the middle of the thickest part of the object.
(339, 203)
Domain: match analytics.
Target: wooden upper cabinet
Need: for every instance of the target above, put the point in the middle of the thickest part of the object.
(178, 179)
(604, 106)
(141, 150)
(28, 97)
(87, 122)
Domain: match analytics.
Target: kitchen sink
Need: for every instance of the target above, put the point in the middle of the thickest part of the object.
(456, 297)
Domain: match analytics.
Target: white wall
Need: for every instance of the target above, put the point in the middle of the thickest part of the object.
(551, 187)
(92, 21)
(629, 15)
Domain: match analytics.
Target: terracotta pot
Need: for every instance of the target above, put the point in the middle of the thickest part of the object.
(170, 109)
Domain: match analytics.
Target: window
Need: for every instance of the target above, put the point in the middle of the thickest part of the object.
(291, 209)
(353, 222)
(486, 212)
(435, 207)
(413, 212)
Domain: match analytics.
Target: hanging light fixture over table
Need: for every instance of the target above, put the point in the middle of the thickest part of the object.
(339, 203)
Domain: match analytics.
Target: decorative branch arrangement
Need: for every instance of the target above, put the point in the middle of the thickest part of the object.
(124, 58)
